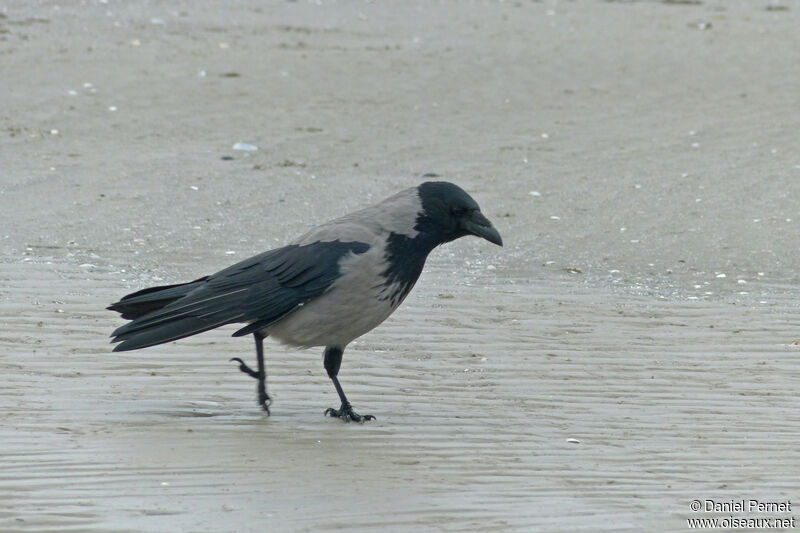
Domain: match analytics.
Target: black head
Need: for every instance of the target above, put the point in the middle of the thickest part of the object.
(449, 213)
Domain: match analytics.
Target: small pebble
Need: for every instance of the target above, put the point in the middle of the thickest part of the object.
(535, 193)
(244, 147)
(573, 441)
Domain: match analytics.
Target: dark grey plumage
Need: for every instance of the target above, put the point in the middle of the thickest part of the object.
(326, 288)
(259, 290)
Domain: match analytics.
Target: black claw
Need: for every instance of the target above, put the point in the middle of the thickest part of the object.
(246, 369)
(263, 398)
(346, 413)
(264, 401)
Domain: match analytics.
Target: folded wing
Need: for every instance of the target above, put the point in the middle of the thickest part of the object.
(258, 291)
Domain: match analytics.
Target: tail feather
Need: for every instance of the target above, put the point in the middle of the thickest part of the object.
(146, 301)
(140, 306)
(167, 332)
(172, 312)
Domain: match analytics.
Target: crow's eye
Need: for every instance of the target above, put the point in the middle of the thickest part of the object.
(459, 211)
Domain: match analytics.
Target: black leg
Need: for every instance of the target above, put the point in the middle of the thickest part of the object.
(263, 398)
(333, 360)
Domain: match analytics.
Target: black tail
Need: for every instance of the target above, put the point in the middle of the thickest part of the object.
(258, 291)
(148, 327)
(146, 301)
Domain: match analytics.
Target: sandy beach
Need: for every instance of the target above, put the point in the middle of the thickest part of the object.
(632, 348)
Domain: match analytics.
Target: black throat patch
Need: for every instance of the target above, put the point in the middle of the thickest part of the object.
(406, 256)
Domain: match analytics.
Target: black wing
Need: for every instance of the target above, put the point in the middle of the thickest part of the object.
(259, 290)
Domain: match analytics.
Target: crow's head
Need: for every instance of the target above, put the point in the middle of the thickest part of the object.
(449, 213)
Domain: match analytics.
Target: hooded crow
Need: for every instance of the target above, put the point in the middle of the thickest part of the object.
(326, 288)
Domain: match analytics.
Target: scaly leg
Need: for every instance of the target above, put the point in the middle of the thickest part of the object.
(263, 398)
(333, 360)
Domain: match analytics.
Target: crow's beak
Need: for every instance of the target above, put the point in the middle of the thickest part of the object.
(479, 225)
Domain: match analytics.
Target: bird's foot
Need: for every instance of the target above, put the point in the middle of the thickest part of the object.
(263, 398)
(346, 413)
(264, 401)
(246, 369)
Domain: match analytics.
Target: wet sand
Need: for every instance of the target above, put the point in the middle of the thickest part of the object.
(631, 349)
